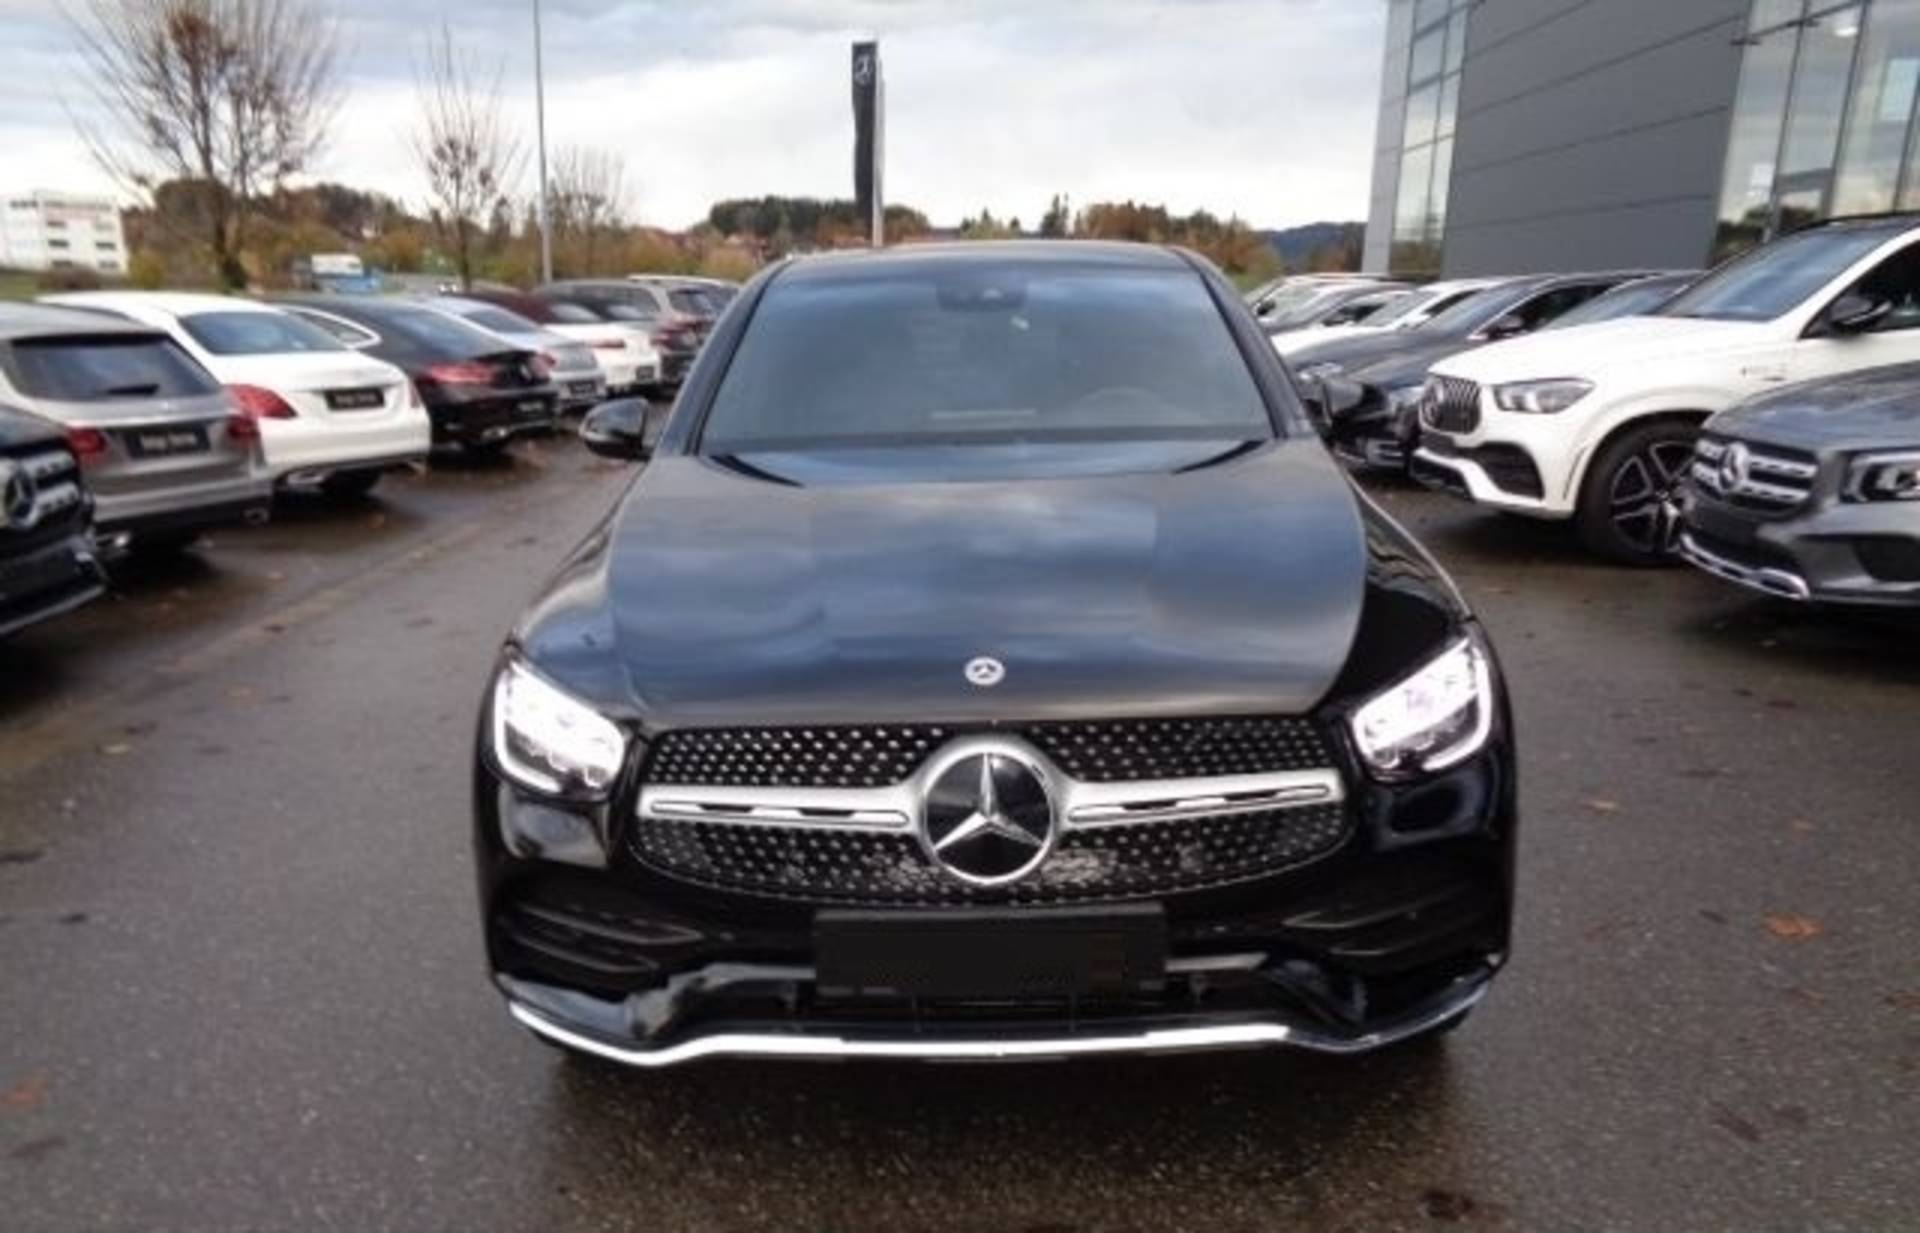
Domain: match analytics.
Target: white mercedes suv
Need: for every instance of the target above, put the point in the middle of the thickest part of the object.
(1597, 423)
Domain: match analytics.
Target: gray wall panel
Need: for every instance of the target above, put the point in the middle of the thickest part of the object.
(1590, 133)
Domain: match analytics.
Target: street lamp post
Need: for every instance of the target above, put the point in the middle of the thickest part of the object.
(540, 129)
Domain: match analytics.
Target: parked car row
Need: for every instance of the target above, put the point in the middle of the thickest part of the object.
(1761, 421)
(134, 421)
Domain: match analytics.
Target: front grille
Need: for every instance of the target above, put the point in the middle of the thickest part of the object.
(59, 505)
(1107, 751)
(1767, 479)
(881, 869)
(1510, 467)
(1450, 404)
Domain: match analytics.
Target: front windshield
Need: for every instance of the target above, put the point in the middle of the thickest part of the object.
(1476, 310)
(1775, 278)
(1404, 307)
(1632, 300)
(943, 353)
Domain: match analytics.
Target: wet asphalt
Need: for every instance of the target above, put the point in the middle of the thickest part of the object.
(240, 967)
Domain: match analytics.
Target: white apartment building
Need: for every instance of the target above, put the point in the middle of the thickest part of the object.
(43, 230)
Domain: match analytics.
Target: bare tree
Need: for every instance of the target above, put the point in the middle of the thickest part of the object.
(587, 197)
(469, 154)
(228, 96)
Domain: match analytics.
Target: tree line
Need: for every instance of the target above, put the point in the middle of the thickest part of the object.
(207, 110)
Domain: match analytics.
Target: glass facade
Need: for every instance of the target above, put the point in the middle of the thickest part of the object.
(1438, 51)
(1824, 120)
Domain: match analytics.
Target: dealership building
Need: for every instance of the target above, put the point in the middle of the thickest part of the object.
(1524, 135)
(47, 230)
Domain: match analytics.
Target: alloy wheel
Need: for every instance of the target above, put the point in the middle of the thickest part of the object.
(1645, 496)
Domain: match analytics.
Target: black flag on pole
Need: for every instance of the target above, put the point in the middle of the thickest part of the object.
(866, 138)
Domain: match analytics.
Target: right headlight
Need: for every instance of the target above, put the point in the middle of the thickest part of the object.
(550, 741)
(1887, 475)
(1541, 397)
(1436, 717)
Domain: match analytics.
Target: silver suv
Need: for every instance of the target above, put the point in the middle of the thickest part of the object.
(165, 451)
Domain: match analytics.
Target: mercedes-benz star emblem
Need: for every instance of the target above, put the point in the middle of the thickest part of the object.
(1733, 467)
(863, 70)
(19, 498)
(988, 817)
(985, 672)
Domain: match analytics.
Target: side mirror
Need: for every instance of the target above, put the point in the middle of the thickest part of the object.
(1509, 326)
(1263, 307)
(1856, 313)
(625, 428)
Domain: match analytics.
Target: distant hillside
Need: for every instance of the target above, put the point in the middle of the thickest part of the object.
(1297, 244)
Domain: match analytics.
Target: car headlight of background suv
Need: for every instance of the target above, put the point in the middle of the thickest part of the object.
(1322, 371)
(1437, 717)
(1884, 476)
(1541, 397)
(547, 740)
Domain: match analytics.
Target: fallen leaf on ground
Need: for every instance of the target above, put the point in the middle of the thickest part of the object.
(114, 749)
(1904, 1001)
(29, 1093)
(1790, 927)
(1600, 804)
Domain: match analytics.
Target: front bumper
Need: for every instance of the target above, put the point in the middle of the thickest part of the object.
(1463, 472)
(47, 581)
(1865, 554)
(604, 1030)
(1397, 928)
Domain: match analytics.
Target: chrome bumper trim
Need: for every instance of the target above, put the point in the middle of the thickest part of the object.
(1775, 582)
(798, 1045)
(1082, 804)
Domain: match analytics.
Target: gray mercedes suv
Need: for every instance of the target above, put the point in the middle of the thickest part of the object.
(1813, 492)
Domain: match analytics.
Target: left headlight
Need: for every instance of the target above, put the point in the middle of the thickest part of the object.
(547, 740)
(1884, 476)
(1541, 397)
(1437, 717)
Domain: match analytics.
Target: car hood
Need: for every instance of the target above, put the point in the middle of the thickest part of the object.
(319, 370)
(1408, 367)
(1587, 350)
(846, 592)
(1875, 409)
(1290, 342)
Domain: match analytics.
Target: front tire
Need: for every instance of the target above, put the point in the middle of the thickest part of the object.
(1629, 508)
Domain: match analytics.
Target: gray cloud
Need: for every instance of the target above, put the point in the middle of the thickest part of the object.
(1262, 108)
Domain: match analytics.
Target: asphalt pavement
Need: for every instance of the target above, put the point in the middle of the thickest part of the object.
(241, 983)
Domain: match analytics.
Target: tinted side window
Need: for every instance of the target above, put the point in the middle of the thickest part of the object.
(348, 333)
(1896, 280)
(100, 368)
(1546, 306)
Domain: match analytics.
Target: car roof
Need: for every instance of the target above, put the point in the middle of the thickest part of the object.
(49, 321)
(351, 306)
(911, 259)
(173, 303)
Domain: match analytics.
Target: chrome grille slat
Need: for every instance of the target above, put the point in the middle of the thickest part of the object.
(1450, 404)
(1767, 478)
(1114, 837)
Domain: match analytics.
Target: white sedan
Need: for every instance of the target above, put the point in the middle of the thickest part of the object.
(330, 417)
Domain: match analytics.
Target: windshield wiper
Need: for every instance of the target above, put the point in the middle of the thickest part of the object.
(1227, 455)
(133, 389)
(735, 463)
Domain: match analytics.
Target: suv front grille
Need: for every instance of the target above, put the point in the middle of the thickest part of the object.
(1450, 404)
(1106, 751)
(1763, 478)
(881, 869)
(59, 503)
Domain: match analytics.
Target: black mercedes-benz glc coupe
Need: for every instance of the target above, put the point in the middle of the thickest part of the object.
(990, 662)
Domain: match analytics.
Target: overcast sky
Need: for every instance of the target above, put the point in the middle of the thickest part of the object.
(1261, 108)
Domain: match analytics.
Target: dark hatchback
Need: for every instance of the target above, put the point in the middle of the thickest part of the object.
(990, 663)
(1813, 492)
(479, 392)
(47, 560)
